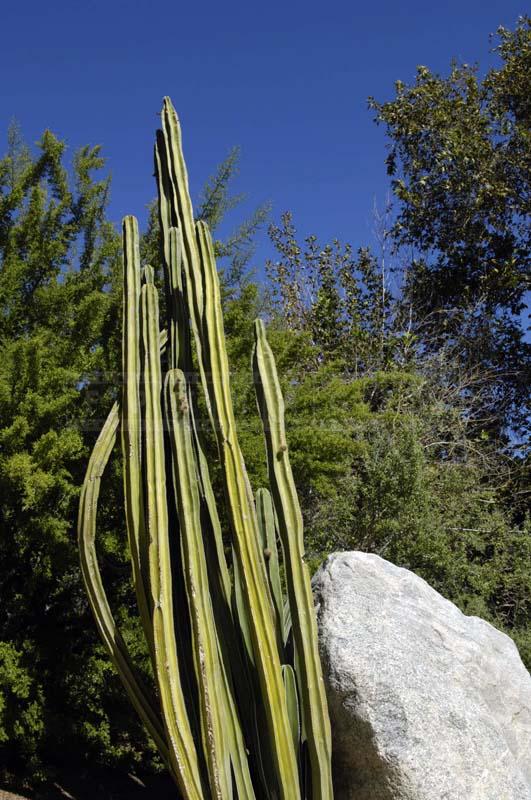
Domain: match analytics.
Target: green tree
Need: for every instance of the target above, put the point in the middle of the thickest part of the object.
(59, 258)
(460, 160)
(234, 253)
(339, 298)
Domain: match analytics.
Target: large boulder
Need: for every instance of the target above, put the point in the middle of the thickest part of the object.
(425, 702)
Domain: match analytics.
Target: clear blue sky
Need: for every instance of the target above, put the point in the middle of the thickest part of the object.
(287, 81)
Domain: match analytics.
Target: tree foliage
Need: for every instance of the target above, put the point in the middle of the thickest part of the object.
(460, 162)
(59, 257)
(340, 298)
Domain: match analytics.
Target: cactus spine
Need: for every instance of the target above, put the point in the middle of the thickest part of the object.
(241, 710)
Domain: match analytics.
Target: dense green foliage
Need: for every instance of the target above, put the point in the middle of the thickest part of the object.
(398, 409)
(59, 257)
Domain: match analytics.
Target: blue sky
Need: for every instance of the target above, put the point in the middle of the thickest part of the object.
(288, 82)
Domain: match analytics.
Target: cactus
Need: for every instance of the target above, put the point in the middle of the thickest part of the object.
(238, 709)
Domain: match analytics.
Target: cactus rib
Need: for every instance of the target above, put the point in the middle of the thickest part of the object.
(314, 705)
(182, 750)
(244, 524)
(205, 642)
(131, 422)
(106, 624)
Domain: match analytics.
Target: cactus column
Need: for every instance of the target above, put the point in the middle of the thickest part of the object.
(235, 710)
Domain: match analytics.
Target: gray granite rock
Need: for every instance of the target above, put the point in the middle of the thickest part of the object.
(425, 702)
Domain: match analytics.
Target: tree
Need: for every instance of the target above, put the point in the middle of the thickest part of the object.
(460, 160)
(340, 299)
(59, 257)
(216, 201)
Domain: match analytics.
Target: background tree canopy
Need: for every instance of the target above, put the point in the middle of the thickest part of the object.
(460, 162)
(403, 409)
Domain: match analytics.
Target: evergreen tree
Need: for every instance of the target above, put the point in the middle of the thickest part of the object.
(59, 264)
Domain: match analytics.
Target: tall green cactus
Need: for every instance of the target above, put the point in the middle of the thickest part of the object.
(238, 709)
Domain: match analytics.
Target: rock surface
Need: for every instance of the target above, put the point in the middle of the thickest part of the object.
(425, 702)
(5, 795)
